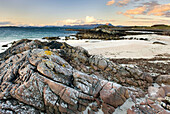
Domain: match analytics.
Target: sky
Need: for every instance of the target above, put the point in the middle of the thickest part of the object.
(79, 12)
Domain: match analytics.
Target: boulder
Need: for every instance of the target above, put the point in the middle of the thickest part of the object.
(155, 92)
(43, 82)
(6, 45)
(52, 38)
(54, 77)
(163, 79)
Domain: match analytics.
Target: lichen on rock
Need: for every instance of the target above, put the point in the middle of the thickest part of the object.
(64, 79)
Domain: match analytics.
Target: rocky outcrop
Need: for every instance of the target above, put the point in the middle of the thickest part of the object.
(80, 60)
(100, 33)
(25, 44)
(51, 38)
(40, 81)
(54, 77)
(122, 74)
(167, 33)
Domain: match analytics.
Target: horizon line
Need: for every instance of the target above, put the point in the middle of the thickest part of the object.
(79, 25)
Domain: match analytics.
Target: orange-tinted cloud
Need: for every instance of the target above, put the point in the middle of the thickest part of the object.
(119, 12)
(122, 3)
(119, 3)
(136, 11)
(110, 2)
(149, 9)
(159, 10)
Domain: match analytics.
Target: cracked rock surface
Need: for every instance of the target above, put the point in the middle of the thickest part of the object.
(54, 77)
(41, 81)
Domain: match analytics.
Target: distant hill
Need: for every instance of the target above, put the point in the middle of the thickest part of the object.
(65, 26)
(109, 24)
(159, 25)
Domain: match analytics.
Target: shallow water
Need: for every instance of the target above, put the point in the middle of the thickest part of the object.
(8, 35)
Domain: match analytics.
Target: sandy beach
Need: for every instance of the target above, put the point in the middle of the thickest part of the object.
(125, 48)
(121, 48)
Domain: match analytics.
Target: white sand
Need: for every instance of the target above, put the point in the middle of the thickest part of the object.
(121, 48)
(126, 48)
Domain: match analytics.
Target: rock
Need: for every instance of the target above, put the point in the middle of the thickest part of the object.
(93, 85)
(40, 80)
(67, 37)
(54, 77)
(51, 38)
(102, 64)
(100, 33)
(25, 44)
(146, 102)
(117, 94)
(161, 98)
(158, 42)
(5, 45)
(147, 108)
(163, 79)
(146, 39)
(107, 109)
(166, 89)
(156, 92)
(136, 92)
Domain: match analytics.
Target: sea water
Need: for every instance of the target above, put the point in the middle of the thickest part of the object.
(10, 34)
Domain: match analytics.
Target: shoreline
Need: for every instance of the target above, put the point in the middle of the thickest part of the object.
(118, 48)
(126, 48)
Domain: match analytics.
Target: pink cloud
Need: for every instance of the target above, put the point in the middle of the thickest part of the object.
(148, 9)
(136, 11)
(110, 2)
(159, 10)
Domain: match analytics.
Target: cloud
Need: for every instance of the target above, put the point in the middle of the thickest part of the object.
(90, 19)
(160, 10)
(86, 20)
(167, 14)
(6, 23)
(136, 11)
(110, 2)
(151, 4)
(122, 3)
(68, 22)
(119, 12)
(149, 8)
(72, 21)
